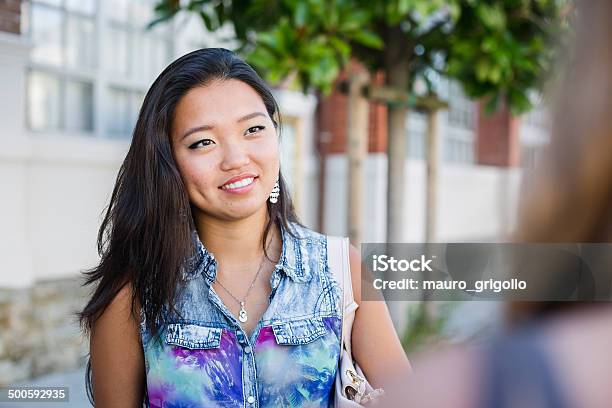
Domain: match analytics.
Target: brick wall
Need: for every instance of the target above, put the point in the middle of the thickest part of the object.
(497, 138)
(332, 116)
(10, 14)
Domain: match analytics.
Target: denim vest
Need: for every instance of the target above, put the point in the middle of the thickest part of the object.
(205, 359)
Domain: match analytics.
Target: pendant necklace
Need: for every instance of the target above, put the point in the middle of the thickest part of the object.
(242, 315)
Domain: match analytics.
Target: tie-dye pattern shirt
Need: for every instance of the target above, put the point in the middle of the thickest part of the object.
(204, 358)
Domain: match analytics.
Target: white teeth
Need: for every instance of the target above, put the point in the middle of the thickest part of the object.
(237, 184)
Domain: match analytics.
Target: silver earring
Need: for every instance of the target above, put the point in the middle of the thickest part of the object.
(275, 193)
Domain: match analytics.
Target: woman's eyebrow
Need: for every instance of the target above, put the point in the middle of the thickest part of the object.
(210, 127)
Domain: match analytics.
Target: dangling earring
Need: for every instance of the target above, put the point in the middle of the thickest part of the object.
(275, 193)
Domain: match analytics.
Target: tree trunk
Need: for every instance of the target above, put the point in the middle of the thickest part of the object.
(432, 176)
(323, 143)
(429, 306)
(396, 76)
(357, 146)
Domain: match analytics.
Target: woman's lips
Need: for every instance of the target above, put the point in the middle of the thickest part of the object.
(240, 187)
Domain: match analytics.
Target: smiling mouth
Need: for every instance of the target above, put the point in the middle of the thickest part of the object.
(238, 184)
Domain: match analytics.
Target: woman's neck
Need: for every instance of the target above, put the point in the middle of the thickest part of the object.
(237, 243)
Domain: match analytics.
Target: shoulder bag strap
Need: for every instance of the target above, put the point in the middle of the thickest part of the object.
(339, 263)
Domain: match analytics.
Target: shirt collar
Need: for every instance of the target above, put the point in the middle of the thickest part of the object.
(290, 263)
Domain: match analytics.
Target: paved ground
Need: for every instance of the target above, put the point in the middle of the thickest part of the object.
(477, 319)
(74, 380)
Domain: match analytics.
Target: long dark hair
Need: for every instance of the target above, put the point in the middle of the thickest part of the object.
(145, 237)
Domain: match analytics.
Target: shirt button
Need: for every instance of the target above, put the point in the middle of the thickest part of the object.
(247, 349)
(251, 399)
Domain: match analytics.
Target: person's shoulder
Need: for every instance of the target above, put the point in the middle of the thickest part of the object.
(121, 309)
(116, 354)
(302, 231)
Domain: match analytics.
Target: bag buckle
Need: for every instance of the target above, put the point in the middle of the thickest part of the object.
(356, 378)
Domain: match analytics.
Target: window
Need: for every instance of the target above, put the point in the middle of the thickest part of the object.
(458, 147)
(43, 101)
(135, 57)
(78, 101)
(132, 50)
(459, 136)
(417, 135)
(60, 80)
(461, 110)
(123, 111)
(91, 64)
(456, 124)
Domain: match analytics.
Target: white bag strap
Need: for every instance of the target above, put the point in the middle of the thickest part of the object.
(339, 262)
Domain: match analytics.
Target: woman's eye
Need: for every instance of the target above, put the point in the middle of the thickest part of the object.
(203, 142)
(256, 129)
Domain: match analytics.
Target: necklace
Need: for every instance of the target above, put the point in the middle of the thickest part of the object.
(242, 315)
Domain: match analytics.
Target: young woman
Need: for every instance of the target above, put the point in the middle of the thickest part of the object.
(210, 293)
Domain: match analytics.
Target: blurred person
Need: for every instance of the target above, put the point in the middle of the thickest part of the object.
(556, 354)
(210, 292)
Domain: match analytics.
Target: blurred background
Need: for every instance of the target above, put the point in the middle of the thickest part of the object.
(403, 121)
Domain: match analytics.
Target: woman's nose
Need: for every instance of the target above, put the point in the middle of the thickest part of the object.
(234, 156)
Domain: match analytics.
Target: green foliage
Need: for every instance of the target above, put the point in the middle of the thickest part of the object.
(312, 40)
(503, 49)
(422, 332)
(498, 49)
(281, 51)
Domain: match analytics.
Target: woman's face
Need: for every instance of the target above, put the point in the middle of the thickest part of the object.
(226, 148)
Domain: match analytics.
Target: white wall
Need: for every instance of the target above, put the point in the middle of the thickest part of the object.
(56, 190)
(474, 202)
(335, 213)
(70, 182)
(297, 105)
(14, 252)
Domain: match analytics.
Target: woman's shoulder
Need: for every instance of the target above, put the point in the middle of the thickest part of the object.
(124, 305)
(116, 354)
(302, 231)
(317, 244)
(305, 251)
